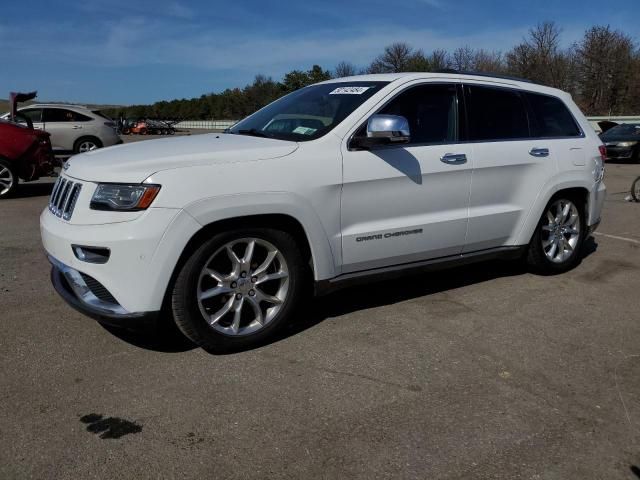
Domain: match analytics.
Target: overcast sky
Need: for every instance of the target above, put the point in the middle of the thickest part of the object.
(141, 51)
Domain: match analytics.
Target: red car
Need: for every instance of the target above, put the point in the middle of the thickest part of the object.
(25, 152)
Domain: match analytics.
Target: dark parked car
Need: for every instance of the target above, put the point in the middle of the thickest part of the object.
(25, 152)
(623, 142)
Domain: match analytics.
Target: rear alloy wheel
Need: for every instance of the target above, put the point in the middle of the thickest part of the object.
(555, 247)
(86, 144)
(238, 288)
(8, 179)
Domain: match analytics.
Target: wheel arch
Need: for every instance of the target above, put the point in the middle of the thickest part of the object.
(576, 189)
(277, 221)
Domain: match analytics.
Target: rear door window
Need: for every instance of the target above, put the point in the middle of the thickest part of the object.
(551, 117)
(57, 115)
(495, 114)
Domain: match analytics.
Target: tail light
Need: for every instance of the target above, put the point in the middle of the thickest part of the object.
(603, 152)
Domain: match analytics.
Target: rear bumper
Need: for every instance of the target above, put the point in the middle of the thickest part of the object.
(72, 287)
(596, 202)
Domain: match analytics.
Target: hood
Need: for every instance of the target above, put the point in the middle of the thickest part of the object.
(134, 162)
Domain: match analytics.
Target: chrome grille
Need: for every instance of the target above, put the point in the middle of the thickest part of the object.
(64, 197)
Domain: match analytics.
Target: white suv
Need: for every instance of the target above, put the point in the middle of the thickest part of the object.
(73, 128)
(343, 181)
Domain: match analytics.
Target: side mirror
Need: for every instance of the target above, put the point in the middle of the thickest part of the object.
(384, 130)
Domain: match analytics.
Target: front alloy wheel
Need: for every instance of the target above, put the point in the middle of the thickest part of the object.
(242, 286)
(238, 287)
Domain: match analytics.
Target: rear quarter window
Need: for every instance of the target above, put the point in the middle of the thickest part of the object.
(551, 117)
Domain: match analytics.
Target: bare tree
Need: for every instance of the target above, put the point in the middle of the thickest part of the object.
(488, 62)
(463, 58)
(394, 59)
(540, 57)
(439, 60)
(344, 69)
(606, 64)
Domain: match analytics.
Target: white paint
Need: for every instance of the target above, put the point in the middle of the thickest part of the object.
(616, 237)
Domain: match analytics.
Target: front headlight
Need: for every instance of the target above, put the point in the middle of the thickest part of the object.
(112, 196)
(626, 144)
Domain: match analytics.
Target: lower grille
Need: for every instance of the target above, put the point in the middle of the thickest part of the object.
(98, 289)
(64, 197)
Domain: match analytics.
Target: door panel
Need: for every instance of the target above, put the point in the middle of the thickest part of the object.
(506, 181)
(64, 128)
(404, 203)
(510, 165)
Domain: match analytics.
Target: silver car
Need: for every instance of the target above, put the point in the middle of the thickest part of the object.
(73, 128)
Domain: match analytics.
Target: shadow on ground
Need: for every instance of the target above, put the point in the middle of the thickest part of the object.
(167, 338)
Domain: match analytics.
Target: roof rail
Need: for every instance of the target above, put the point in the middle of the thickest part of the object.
(483, 74)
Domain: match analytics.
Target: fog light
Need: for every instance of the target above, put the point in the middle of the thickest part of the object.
(91, 254)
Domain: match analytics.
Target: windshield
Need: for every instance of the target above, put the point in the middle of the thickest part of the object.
(307, 113)
(624, 129)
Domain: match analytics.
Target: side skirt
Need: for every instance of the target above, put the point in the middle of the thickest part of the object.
(324, 287)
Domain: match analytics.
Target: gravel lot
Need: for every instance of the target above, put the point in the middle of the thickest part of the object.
(479, 372)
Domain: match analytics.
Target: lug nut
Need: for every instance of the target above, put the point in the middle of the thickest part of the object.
(252, 293)
(234, 284)
(254, 279)
(243, 274)
(238, 296)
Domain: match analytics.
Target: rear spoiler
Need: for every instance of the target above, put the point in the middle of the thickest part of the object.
(17, 97)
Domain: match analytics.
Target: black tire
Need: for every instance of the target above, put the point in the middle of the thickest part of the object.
(184, 303)
(78, 144)
(8, 179)
(635, 189)
(537, 258)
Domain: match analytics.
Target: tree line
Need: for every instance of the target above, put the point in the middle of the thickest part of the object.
(601, 71)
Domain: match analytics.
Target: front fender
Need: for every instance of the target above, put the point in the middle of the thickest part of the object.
(324, 251)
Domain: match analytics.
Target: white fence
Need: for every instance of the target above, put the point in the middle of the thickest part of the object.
(222, 124)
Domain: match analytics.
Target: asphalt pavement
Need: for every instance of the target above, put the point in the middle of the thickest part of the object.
(478, 372)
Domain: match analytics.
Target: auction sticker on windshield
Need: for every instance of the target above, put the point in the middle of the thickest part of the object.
(349, 91)
(305, 130)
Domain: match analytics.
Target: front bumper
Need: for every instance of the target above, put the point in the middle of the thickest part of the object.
(143, 256)
(73, 287)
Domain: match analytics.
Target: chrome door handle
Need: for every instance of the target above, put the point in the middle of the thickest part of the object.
(539, 152)
(76, 127)
(454, 158)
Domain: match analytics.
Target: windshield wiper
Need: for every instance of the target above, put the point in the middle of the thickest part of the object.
(254, 133)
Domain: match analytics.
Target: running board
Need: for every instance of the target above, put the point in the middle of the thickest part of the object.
(324, 287)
